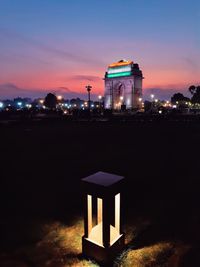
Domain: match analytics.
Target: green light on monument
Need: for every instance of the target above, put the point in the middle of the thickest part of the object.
(121, 74)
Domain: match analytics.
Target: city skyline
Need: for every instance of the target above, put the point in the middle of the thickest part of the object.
(63, 46)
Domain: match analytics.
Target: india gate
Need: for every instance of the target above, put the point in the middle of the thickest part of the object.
(123, 85)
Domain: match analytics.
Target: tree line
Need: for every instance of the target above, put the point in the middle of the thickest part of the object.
(195, 96)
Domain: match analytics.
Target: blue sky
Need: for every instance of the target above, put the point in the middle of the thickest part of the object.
(51, 44)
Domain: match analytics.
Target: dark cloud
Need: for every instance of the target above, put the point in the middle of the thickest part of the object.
(62, 54)
(89, 78)
(9, 90)
(64, 89)
(192, 64)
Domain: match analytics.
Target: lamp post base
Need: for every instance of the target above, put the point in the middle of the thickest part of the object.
(101, 254)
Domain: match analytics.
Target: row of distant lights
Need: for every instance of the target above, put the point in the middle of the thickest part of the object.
(19, 104)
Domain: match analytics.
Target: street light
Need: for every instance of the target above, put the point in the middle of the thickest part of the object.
(100, 97)
(152, 97)
(104, 239)
(88, 88)
(121, 98)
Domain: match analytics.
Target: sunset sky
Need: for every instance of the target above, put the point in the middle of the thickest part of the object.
(62, 45)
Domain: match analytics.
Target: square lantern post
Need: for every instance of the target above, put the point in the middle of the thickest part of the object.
(103, 238)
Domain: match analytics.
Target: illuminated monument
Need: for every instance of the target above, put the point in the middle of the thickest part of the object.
(123, 85)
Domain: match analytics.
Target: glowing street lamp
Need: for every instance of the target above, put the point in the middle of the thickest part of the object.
(104, 239)
(19, 104)
(1, 104)
(121, 101)
(28, 105)
(152, 97)
(59, 97)
(100, 97)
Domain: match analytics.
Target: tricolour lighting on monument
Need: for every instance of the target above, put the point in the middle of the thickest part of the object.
(103, 238)
(120, 69)
(121, 63)
(120, 74)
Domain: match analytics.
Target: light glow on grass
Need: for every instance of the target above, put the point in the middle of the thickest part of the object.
(153, 255)
(60, 245)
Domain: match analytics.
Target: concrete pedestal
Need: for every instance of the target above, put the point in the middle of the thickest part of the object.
(101, 254)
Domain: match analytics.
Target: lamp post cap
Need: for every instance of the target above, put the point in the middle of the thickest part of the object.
(103, 179)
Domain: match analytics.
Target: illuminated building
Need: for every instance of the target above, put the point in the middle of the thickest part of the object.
(123, 85)
(103, 238)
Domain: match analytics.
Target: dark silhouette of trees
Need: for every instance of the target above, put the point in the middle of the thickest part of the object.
(147, 106)
(50, 101)
(178, 97)
(195, 91)
(192, 89)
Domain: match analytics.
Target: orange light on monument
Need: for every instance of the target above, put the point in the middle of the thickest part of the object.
(103, 238)
(120, 63)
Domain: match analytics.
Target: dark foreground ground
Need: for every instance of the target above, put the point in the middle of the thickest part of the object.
(40, 198)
